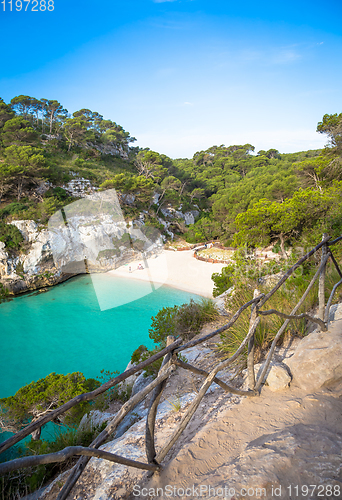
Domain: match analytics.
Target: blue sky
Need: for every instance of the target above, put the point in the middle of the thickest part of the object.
(183, 75)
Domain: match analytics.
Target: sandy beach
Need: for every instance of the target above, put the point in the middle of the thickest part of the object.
(177, 269)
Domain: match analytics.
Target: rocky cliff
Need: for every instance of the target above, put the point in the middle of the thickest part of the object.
(90, 235)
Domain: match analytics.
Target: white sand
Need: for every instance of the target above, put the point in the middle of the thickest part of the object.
(177, 269)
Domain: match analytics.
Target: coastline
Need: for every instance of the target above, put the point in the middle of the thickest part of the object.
(175, 269)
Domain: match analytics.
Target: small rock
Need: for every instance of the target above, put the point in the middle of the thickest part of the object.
(278, 378)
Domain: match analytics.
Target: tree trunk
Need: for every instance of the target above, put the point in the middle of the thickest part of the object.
(19, 189)
(282, 245)
(51, 118)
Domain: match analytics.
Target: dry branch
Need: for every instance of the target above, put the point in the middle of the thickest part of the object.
(294, 316)
(335, 263)
(205, 386)
(203, 373)
(70, 451)
(152, 411)
(284, 325)
(327, 310)
(321, 283)
(251, 347)
(111, 427)
(334, 241)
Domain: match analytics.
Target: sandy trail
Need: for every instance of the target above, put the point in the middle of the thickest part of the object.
(282, 433)
(177, 269)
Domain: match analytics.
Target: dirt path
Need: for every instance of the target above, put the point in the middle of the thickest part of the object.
(294, 438)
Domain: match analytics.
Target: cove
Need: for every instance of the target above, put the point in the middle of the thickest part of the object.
(63, 329)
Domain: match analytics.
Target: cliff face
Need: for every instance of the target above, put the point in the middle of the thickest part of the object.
(89, 235)
(84, 244)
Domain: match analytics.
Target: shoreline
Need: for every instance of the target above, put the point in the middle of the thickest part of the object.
(175, 269)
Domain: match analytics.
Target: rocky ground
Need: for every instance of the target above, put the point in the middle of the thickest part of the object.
(285, 444)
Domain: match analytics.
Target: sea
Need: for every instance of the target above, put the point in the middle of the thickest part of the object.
(64, 329)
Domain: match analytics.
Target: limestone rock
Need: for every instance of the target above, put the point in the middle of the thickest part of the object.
(104, 480)
(278, 378)
(93, 419)
(335, 312)
(140, 383)
(317, 361)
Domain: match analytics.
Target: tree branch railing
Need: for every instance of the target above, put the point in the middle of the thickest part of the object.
(169, 365)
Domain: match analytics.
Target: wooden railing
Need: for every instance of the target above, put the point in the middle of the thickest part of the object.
(169, 365)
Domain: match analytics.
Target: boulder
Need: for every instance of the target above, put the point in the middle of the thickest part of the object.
(278, 378)
(317, 361)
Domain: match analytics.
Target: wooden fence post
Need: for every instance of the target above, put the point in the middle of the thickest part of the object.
(251, 343)
(153, 407)
(321, 283)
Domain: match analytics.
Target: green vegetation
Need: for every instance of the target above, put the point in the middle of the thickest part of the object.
(11, 236)
(38, 398)
(25, 481)
(185, 321)
(238, 191)
(248, 274)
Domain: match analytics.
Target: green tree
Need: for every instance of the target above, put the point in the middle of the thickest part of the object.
(75, 131)
(169, 183)
(54, 112)
(332, 126)
(21, 104)
(268, 221)
(39, 398)
(197, 193)
(23, 163)
(18, 131)
(6, 112)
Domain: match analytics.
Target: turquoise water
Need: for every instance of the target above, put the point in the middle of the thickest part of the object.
(63, 329)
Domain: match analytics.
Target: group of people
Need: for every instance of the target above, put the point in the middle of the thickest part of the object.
(140, 267)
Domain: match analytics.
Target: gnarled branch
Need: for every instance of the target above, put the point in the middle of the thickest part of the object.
(70, 451)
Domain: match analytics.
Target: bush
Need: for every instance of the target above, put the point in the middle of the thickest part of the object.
(58, 193)
(12, 209)
(11, 236)
(24, 481)
(185, 320)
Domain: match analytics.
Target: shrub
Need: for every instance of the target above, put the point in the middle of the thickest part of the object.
(12, 209)
(283, 300)
(25, 481)
(37, 398)
(185, 320)
(11, 236)
(115, 393)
